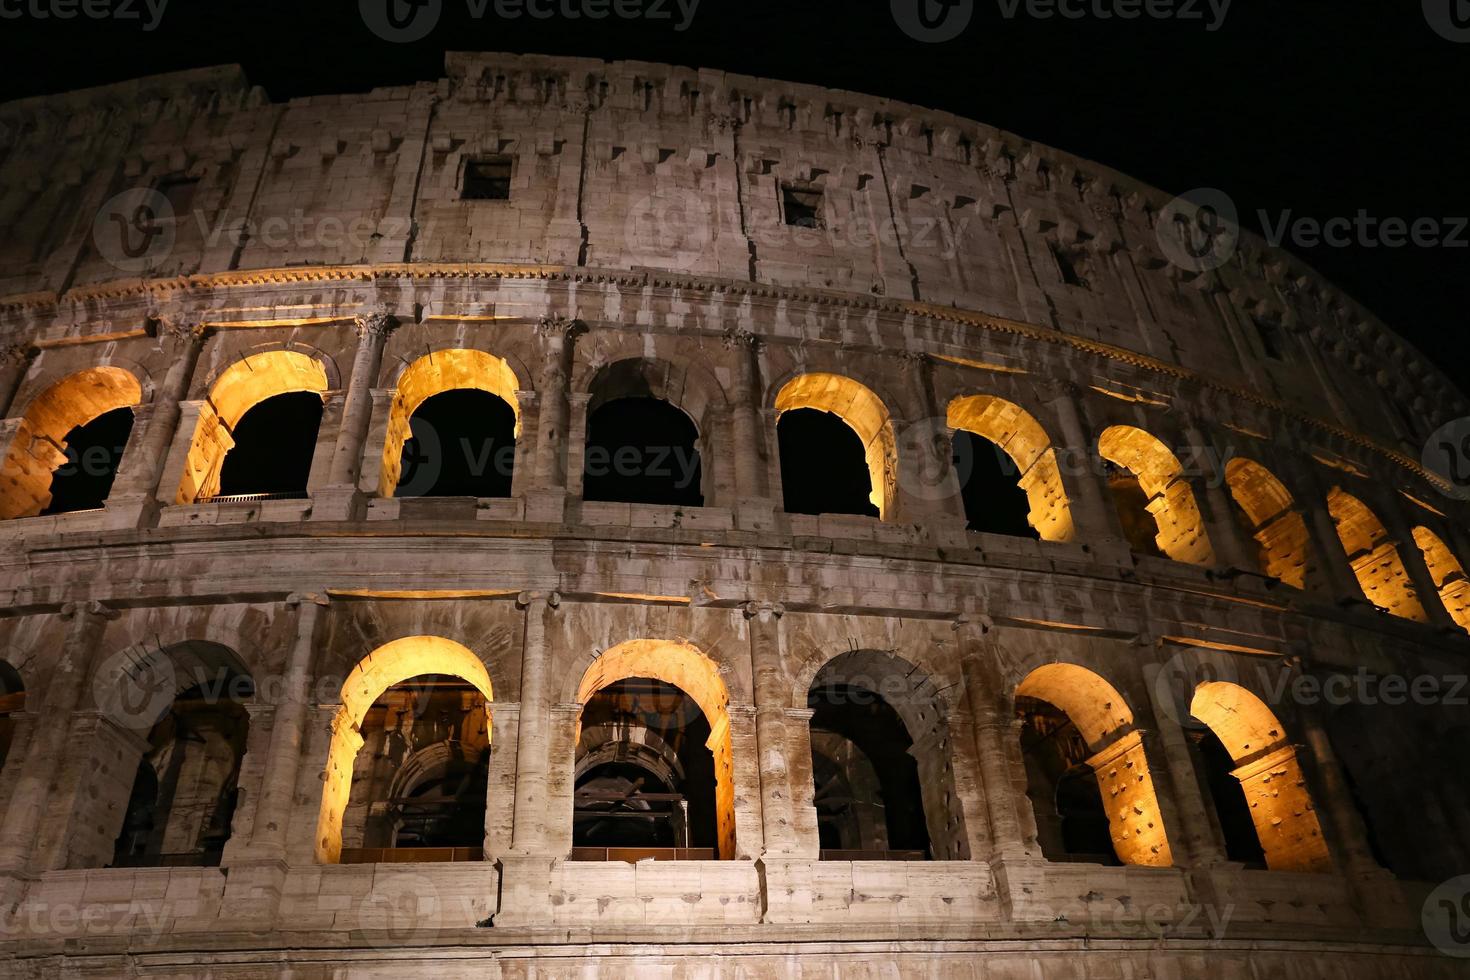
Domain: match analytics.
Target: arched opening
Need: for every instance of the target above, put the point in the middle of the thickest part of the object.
(12, 702)
(67, 447)
(436, 409)
(1265, 765)
(1225, 795)
(181, 798)
(645, 776)
(410, 751)
(1008, 471)
(271, 447)
(1148, 478)
(1087, 774)
(1374, 557)
(821, 464)
(420, 780)
(882, 769)
(1271, 517)
(672, 692)
(1447, 575)
(463, 444)
(274, 445)
(642, 450)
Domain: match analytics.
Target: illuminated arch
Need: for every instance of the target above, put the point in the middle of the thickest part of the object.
(865, 413)
(238, 389)
(1275, 523)
(686, 667)
(1171, 501)
(1447, 574)
(1375, 559)
(392, 663)
(38, 446)
(1024, 440)
(1118, 759)
(433, 374)
(1269, 772)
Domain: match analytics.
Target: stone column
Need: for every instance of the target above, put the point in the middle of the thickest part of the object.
(337, 501)
(1336, 576)
(1093, 513)
(43, 759)
(370, 479)
(754, 504)
(763, 621)
(994, 737)
(277, 790)
(547, 500)
(138, 491)
(528, 830)
(1392, 515)
(1216, 504)
(15, 361)
(1197, 842)
(928, 487)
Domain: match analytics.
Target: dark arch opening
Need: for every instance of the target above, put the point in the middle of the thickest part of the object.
(12, 700)
(994, 500)
(627, 802)
(1071, 821)
(1227, 796)
(421, 778)
(642, 450)
(866, 782)
(463, 444)
(274, 445)
(824, 469)
(186, 787)
(94, 451)
(1131, 501)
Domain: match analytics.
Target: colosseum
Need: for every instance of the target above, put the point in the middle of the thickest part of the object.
(877, 550)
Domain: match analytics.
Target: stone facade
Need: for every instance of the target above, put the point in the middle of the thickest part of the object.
(739, 248)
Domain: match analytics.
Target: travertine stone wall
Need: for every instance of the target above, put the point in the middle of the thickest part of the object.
(964, 279)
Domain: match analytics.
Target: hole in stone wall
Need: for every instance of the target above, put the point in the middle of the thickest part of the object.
(642, 451)
(487, 179)
(866, 782)
(801, 208)
(185, 791)
(93, 453)
(993, 498)
(645, 775)
(1071, 821)
(824, 468)
(274, 445)
(463, 445)
(420, 779)
(1223, 792)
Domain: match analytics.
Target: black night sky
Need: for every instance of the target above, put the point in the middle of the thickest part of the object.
(1315, 107)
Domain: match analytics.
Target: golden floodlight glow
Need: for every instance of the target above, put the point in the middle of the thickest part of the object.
(1269, 773)
(1023, 439)
(1447, 574)
(1374, 557)
(1118, 761)
(39, 443)
(1275, 522)
(242, 386)
(1171, 500)
(392, 663)
(864, 413)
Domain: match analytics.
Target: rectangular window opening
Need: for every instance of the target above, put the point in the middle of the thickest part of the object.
(487, 179)
(801, 208)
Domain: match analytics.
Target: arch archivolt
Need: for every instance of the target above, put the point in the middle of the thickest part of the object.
(1447, 574)
(1374, 556)
(1181, 527)
(609, 368)
(864, 412)
(1021, 437)
(1273, 517)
